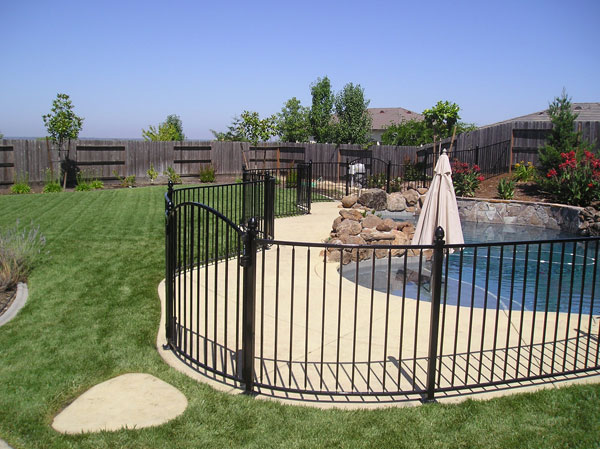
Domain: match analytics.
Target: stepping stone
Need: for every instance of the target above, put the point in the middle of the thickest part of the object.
(130, 401)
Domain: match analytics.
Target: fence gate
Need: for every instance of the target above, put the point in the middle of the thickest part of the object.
(203, 296)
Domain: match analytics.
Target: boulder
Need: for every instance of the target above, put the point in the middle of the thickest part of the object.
(411, 197)
(371, 236)
(396, 202)
(350, 227)
(351, 214)
(422, 190)
(336, 223)
(349, 200)
(352, 240)
(373, 199)
(386, 225)
(371, 221)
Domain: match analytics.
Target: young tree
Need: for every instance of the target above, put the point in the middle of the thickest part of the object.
(170, 130)
(353, 120)
(563, 137)
(63, 125)
(232, 134)
(255, 129)
(408, 133)
(292, 122)
(320, 113)
(441, 118)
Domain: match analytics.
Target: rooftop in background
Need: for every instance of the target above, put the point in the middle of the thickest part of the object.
(587, 112)
(384, 117)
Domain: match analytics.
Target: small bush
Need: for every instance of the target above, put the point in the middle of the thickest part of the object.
(172, 175)
(207, 174)
(96, 184)
(19, 248)
(51, 184)
(127, 181)
(466, 178)
(152, 174)
(377, 181)
(506, 189)
(577, 180)
(83, 182)
(524, 172)
(21, 185)
(414, 171)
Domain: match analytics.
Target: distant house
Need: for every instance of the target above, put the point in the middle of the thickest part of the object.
(586, 112)
(384, 117)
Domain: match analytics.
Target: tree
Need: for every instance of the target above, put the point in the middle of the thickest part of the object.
(255, 129)
(292, 122)
(1, 136)
(170, 130)
(563, 137)
(441, 118)
(232, 134)
(320, 114)
(408, 133)
(63, 125)
(353, 119)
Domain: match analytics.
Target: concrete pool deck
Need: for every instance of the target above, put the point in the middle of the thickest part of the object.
(396, 357)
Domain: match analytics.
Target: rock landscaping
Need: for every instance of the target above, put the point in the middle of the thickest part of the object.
(590, 220)
(359, 224)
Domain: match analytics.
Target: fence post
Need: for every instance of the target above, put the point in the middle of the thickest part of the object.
(310, 184)
(170, 268)
(269, 204)
(347, 165)
(248, 262)
(436, 294)
(388, 175)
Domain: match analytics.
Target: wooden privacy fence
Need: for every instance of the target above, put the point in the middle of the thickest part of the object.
(503, 144)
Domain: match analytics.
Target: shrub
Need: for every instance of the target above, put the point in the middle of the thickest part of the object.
(96, 184)
(506, 189)
(377, 181)
(19, 248)
(21, 185)
(127, 181)
(83, 182)
(173, 176)
(152, 174)
(524, 172)
(414, 171)
(466, 178)
(577, 180)
(51, 184)
(207, 174)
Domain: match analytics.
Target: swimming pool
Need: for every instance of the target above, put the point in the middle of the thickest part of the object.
(533, 273)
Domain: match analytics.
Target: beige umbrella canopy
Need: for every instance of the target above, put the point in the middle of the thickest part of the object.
(439, 208)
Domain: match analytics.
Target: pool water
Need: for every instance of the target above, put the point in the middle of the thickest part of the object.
(539, 276)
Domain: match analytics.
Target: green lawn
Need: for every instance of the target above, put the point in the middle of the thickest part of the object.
(93, 313)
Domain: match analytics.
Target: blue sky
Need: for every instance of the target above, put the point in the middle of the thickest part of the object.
(128, 64)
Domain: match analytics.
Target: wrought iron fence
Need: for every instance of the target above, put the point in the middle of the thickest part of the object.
(376, 320)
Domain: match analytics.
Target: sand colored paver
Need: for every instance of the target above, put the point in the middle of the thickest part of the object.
(378, 343)
(130, 401)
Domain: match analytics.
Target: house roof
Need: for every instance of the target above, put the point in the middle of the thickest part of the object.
(587, 112)
(384, 117)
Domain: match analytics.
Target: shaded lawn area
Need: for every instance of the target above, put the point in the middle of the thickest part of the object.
(93, 314)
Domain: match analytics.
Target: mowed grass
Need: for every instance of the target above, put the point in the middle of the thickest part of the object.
(93, 314)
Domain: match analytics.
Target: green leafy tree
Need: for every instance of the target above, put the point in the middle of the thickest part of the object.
(1, 136)
(353, 119)
(441, 118)
(563, 137)
(63, 125)
(292, 122)
(408, 133)
(320, 114)
(232, 134)
(254, 129)
(170, 130)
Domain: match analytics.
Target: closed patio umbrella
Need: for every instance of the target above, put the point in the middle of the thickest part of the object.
(439, 208)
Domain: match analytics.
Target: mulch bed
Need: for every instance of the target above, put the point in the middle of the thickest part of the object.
(524, 191)
(6, 299)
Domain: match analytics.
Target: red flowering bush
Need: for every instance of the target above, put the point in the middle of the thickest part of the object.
(577, 179)
(466, 178)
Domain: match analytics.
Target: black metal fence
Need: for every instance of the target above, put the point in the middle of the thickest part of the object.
(376, 320)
